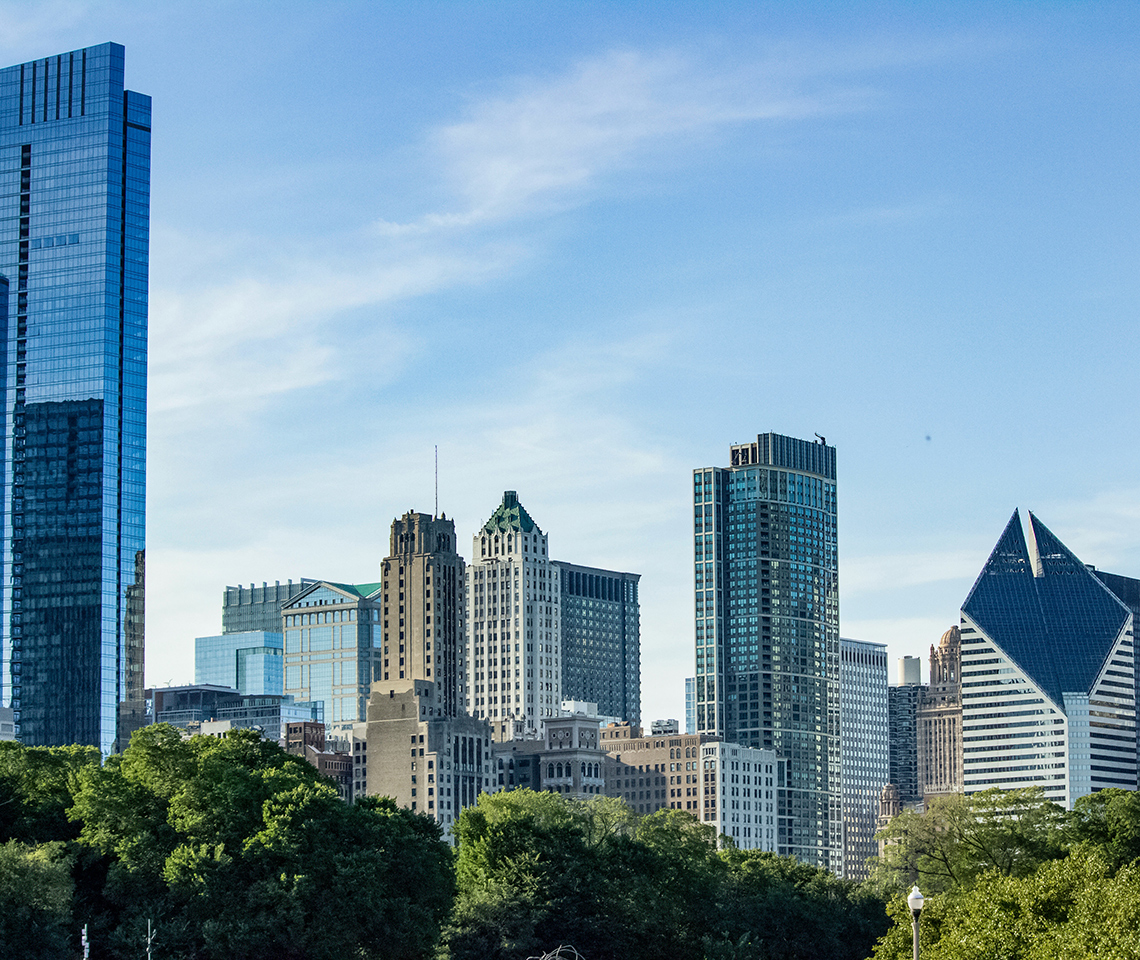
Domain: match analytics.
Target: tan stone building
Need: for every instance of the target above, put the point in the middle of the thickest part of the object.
(422, 627)
(412, 750)
(940, 720)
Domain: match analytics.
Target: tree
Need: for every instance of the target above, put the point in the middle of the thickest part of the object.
(36, 785)
(1107, 821)
(35, 901)
(958, 838)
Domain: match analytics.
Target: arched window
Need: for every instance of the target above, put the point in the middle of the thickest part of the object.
(582, 770)
(597, 771)
(550, 771)
(559, 769)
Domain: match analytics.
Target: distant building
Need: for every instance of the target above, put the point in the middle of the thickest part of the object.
(661, 727)
(766, 578)
(690, 704)
(902, 709)
(910, 671)
(1127, 591)
(7, 724)
(252, 662)
(514, 632)
(189, 707)
(412, 750)
(332, 649)
(601, 638)
(1049, 685)
(567, 760)
(864, 727)
(252, 608)
(422, 628)
(939, 720)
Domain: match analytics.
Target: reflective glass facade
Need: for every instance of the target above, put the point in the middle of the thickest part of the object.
(866, 766)
(74, 241)
(766, 580)
(251, 662)
(1048, 673)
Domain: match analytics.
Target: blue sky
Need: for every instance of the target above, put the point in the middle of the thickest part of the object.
(583, 247)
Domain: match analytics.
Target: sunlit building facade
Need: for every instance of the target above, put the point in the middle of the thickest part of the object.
(866, 755)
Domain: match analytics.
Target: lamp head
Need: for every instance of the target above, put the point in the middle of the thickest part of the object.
(915, 900)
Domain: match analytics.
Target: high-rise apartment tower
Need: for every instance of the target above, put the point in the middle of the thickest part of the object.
(74, 246)
(766, 578)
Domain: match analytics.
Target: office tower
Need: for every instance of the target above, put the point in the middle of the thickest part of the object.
(205, 708)
(332, 649)
(939, 720)
(910, 670)
(690, 704)
(767, 623)
(248, 609)
(601, 639)
(74, 242)
(514, 631)
(902, 724)
(863, 725)
(251, 662)
(415, 752)
(1127, 591)
(1048, 676)
(422, 628)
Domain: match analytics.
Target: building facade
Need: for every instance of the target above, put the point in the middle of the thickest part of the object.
(253, 608)
(902, 711)
(252, 662)
(1048, 673)
(766, 580)
(864, 727)
(422, 629)
(74, 248)
(601, 639)
(513, 664)
(411, 749)
(690, 704)
(332, 649)
(204, 708)
(939, 720)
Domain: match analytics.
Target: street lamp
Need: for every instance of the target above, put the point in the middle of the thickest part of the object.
(915, 901)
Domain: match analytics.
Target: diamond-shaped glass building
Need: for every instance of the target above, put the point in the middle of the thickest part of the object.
(1048, 676)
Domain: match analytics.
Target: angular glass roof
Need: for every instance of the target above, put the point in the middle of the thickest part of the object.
(1046, 609)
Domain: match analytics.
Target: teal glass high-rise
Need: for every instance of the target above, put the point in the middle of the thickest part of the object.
(74, 243)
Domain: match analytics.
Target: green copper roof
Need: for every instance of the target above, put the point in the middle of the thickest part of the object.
(510, 515)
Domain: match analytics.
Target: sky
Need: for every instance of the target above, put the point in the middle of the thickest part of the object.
(584, 247)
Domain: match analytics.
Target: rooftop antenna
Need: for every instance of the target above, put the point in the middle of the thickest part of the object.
(822, 440)
(437, 480)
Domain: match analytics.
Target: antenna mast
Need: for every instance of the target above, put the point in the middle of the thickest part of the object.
(437, 480)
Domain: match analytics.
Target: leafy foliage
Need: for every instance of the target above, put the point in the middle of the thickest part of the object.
(35, 900)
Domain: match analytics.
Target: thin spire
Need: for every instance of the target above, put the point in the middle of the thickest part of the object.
(436, 514)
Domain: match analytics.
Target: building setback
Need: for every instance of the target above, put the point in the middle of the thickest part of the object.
(513, 663)
(422, 629)
(1048, 674)
(74, 248)
(766, 580)
(601, 639)
(864, 725)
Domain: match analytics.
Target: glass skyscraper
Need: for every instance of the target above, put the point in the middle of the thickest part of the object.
(766, 579)
(74, 241)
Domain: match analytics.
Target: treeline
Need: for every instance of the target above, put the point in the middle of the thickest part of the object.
(1014, 876)
(231, 848)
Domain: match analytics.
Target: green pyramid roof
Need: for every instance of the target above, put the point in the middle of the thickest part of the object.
(510, 515)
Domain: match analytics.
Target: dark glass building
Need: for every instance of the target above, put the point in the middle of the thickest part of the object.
(74, 241)
(766, 577)
(1048, 673)
(601, 639)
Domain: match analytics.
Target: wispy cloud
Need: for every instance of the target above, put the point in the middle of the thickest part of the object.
(871, 574)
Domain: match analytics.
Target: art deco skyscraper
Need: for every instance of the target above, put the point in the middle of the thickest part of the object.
(514, 639)
(766, 581)
(74, 242)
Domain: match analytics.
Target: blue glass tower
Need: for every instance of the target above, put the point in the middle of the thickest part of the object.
(766, 579)
(74, 241)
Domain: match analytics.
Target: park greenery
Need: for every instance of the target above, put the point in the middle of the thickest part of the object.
(230, 847)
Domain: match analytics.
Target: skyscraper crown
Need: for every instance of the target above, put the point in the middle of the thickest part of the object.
(510, 515)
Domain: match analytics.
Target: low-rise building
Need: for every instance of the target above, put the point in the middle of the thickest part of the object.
(188, 707)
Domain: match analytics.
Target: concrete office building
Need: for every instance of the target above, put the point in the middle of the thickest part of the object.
(251, 662)
(413, 750)
(601, 638)
(1048, 673)
(514, 631)
(74, 251)
(332, 649)
(422, 630)
(939, 720)
(253, 609)
(766, 577)
(864, 726)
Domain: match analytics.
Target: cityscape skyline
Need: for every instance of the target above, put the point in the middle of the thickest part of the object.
(938, 252)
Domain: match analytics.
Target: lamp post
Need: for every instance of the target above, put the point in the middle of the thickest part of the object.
(915, 901)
